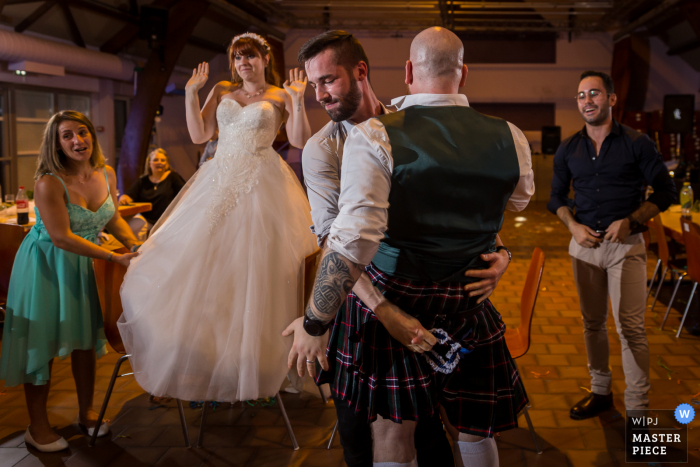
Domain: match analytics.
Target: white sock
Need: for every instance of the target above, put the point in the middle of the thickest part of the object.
(480, 454)
(413, 463)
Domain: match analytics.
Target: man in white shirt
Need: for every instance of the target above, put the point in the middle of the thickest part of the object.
(321, 184)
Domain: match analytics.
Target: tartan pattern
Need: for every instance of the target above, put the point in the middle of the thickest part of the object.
(371, 370)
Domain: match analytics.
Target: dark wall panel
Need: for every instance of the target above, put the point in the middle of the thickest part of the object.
(527, 117)
(510, 51)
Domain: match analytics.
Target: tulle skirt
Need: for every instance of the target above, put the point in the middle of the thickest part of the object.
(204, 310)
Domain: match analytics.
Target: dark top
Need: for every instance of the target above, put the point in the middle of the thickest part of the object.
(610, 186)
(454, 171)
(159, 195)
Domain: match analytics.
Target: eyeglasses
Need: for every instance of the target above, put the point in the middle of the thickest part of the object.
(594, 93)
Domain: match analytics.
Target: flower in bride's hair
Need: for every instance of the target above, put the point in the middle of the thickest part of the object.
(251, 35)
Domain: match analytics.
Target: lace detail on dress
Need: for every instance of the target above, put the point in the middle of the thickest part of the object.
(245, 137)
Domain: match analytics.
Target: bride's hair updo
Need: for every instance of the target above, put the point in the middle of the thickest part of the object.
(250, 43)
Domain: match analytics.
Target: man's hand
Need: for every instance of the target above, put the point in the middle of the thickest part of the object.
(618, 231)
(404, 328)
(498, 263)
(584, 235)
(306, 349)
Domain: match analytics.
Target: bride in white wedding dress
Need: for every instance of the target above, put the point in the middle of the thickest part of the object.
(217, 282)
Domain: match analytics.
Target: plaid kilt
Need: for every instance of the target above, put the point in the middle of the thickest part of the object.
(372, 371)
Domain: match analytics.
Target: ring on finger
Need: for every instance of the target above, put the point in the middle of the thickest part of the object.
(310, 361)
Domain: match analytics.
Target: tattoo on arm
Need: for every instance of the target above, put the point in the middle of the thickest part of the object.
(334, 282)
(299, 107)
(645, 212)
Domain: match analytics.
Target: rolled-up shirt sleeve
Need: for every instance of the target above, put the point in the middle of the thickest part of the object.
(655, 173)
(322, 178)
(364, 193)
(525, 188)
(561, 181)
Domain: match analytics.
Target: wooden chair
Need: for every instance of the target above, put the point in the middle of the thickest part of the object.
(11, 237)
(109, 277)
(676, 267)
(691, 238)
(518, 339)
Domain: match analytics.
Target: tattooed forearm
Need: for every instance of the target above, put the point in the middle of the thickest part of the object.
(334, 281)
(299, 107)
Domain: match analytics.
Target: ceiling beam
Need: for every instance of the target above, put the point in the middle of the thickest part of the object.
(687, 47)
(244, 18)
(105, 10)
(130, 32)
(644, 19)
(72, 25)
(34, 16)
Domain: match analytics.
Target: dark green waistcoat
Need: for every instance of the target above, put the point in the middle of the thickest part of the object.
(454, 171)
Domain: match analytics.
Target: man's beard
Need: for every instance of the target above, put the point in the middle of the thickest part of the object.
(347, 104)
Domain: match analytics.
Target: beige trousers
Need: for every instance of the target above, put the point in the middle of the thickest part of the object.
(617, 271)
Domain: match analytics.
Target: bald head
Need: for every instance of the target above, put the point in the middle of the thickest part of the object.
(437, 54)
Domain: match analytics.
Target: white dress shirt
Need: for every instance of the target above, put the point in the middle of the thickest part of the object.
(366, 181)
(322, 160)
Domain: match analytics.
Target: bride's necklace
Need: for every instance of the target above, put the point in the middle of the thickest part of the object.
(250, 96)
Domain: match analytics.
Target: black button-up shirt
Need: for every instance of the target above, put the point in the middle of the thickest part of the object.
(609, 186)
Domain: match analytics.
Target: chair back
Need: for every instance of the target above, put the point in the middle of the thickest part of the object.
(109, 277)
(518, 339)
(691, 238)
(11, 237)
(310, 266)
(661, 239)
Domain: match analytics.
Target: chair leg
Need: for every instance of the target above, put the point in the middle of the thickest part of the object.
(658, 289)
(532, 430)
(673, 297)
(183, 422)
(202, 423)
(323, 396)
(335, 429)
(115, 375)
(690, 300)
(286, 421)
(653, 276)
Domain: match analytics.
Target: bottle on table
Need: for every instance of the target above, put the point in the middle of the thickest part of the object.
(686, 200)
(22, 204)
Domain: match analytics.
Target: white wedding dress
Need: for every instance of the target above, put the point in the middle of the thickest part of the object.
(218, 281)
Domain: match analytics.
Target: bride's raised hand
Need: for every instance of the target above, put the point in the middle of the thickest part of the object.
(199, 77)
(296, 84)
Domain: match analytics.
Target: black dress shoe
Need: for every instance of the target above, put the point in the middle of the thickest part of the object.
(591, 405)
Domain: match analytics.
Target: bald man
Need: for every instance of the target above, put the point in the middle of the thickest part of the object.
(422, 197)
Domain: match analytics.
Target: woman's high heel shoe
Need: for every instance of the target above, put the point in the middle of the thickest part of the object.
(58, 445)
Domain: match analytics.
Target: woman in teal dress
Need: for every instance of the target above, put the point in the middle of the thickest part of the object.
(52, 305)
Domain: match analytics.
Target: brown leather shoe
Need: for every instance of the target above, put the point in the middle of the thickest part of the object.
(591, 405)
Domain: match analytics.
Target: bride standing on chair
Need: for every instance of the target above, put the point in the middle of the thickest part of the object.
(218, 281)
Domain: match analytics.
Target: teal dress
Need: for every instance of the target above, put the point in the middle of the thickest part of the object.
(52, 304)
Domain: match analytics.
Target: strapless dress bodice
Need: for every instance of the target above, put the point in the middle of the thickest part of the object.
(252, 127)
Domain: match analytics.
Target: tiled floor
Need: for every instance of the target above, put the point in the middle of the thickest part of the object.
(554, 371)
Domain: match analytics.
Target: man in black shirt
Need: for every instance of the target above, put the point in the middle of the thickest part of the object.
(609, 164)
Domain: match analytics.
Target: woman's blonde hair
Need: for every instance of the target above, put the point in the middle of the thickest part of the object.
(247, 45)
(51, 156)
(147, 169)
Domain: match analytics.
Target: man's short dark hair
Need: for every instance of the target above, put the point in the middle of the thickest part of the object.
(607, 80)
(348, 50)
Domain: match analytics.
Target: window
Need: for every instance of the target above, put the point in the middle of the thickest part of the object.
(33, 111)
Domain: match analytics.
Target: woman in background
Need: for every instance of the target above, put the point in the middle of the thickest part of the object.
(52, 306)
(158, 186)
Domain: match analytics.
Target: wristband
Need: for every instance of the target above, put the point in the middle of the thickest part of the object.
(135, 248)
(499, 248)
(109, 258)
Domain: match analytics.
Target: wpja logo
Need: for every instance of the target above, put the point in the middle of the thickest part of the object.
(658, 435)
